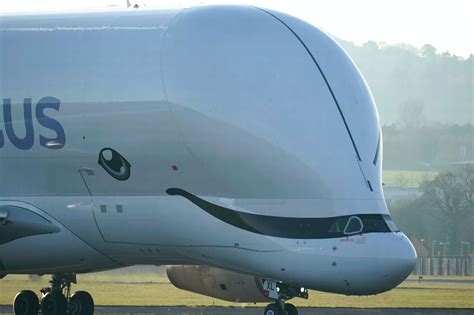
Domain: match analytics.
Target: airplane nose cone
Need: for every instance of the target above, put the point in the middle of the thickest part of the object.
(407, 259)
(401, 261)
(410, 255)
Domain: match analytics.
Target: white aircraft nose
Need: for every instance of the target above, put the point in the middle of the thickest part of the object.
(392, 262)
(400, 263)
(407, 256)
(385, 262)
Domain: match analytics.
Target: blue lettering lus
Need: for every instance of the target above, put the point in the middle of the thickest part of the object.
(50, 123)
(28, 140)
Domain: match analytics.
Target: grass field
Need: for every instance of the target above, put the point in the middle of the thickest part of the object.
(406, 179)
(150, 289)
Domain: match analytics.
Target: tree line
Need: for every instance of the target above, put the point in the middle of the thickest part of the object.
(429, 147)
(444, 213)
(402, 76)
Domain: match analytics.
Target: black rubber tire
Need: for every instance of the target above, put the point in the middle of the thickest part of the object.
(291, 309)
(26, 303)
(81, 303)
(273, 309)
(53, 303)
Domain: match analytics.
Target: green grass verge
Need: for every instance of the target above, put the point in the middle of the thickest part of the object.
(442, 278)
(155, 290)
(406, 179)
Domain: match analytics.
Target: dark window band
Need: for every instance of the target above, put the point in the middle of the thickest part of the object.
(286, 227)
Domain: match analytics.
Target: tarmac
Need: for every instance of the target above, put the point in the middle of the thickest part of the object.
(181, 310)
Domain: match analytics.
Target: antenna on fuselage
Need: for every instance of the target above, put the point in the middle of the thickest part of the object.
(128, 4)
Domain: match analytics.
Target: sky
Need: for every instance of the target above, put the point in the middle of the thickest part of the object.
(446, 24)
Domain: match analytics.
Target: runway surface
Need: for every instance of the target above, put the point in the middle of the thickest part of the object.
(104, 310)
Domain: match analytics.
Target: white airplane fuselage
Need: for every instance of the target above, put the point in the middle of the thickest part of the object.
(228, 136)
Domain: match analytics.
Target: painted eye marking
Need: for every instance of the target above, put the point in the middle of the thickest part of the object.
(290, 227)
(114, 164)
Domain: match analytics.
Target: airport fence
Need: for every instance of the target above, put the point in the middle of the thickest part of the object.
(444, 266)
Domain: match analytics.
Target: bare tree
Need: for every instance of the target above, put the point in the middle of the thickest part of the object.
(411, 114)
(466, 175)
(452, 194)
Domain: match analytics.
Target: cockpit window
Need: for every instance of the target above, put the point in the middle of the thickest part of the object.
(375, 223)
(353, 226)
(391, 225)
(339, 225)
(362, 223)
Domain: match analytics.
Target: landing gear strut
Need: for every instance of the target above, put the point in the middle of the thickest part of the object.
(280, 308)
(55, 300)
(281, 293)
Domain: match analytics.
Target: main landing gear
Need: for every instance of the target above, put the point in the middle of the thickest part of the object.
(281, 293)
(55, 300)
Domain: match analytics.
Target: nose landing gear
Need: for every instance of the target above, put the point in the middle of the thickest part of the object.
(280, 308)
(55, 300)
(281, 293)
